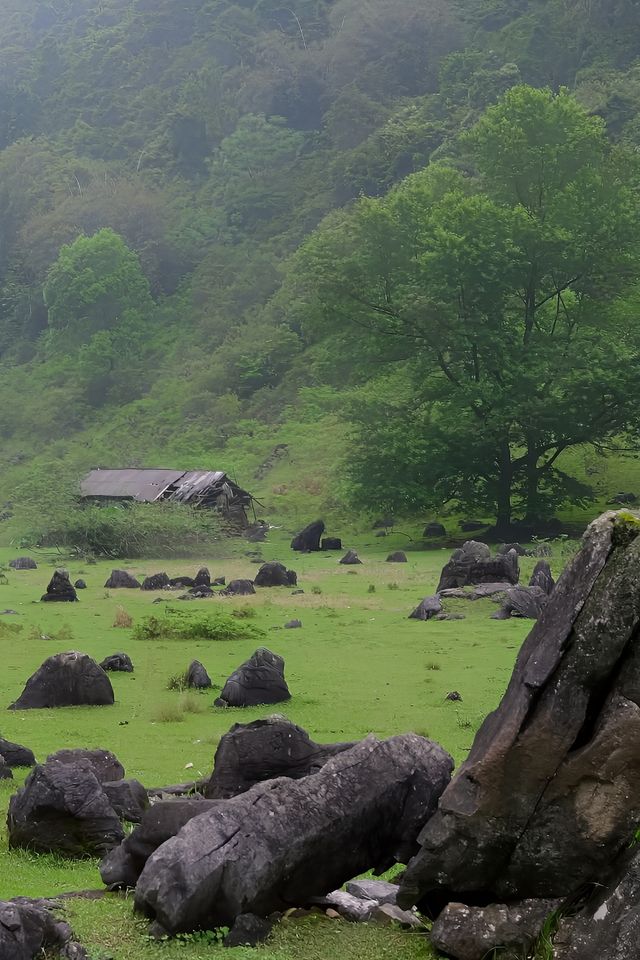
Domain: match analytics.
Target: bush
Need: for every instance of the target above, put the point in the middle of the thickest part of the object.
(123, 619)
(174, 625)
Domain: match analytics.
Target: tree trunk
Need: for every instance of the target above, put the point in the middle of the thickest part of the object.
(532, 475)
(503, 496)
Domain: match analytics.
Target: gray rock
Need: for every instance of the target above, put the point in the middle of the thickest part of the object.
(352, 908)
(542, 577)
(378, 890)
(434, 530)
(238, 588)
(29, 929)
(398, 557)
(308, 540)
(118, 663)
(293, 624)
(427, 609)
(23, 563)
(475, 550)
(473, 933)
(66, 680)
(128, 798)
(391, 914)
(481, 591)
(260, 679)
(350, 558)
(248, 930)
(120, 579)
(263, 750)
(525, 602)
(63, 809)
(467, 569)
(60, 589)
(284, 841)
(157, 581)
(197, 677)
(550, 792)
(104, 764)
(16, 755)
(5, 770)
(274, 574)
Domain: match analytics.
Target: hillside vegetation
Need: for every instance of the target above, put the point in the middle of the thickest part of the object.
(162, 163)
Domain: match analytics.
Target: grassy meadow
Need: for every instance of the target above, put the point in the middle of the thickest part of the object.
(358, 665)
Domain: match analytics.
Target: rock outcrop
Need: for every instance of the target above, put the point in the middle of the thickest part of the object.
(30, 929)
(120, 579)
(15, 755)
(308, 540)
(197, 677)
(284, 841)
(60, 589)
(473, 933)
(118, 663)
(427, 609)
(473, 564)
(274, 574)
(260, 679)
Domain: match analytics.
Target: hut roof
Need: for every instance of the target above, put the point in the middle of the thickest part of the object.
(147, 486)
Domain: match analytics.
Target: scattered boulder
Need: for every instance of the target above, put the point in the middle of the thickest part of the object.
(219, 582)
(474, 565)
(308, 540)
(123, 865)
(263, 750)
(63, 809)
(16, 755)
(434, 530)
(346, 905)
(260, 679)
(80, 584)
(454, 696)
(5, 770)
(471, 526)
(104, 764)
(29, 929)
(248, 930)
(197, 677)
(128, 798)
(202, 578)
(526, 602)
(473, 933)
(60, 589)
(120, 579)
(427, 609)
(238, 588)
(197, 593)
(390, 914)
(257, 533)
(519, 549)
(479, 591)
(118, 663)
(182, 583)
(293, 625)
(623, 498)
(350, 558)
(274, 574)
(608, 926)
(23, 563)
(66, 680)
(542, 577)
(550, 793)
(157, 581)
(331, 543)
(283, 842)
(398, 557)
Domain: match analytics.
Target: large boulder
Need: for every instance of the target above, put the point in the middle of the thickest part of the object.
(285, 841)
(427, 609)
(104, 764)
(23, 563)
(238, 588)
(434, 530)
(253, 752)
(308, 540)
(274, 574)
(197, 677)
(60, 589)
(519, 549)
(473, 933)
(63, 809)
(202, 578)
(5, 770)
(608, 926)
(526, 602)
(66, 680)
(16, 755)
(120, 579)
(118, 663)
(542, 577)
(472, 565)
(399, 556)
(260, 679)
(128, 798)
(157, 581)
(331, 543)
(550, 792)
(30, 929)
(123, 865)
(350, 558)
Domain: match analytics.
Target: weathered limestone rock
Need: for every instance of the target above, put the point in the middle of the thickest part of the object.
(284, 841)
(378, 890)
(308, 540)
(157, 581)
(123, 865)
(197, 677)
(427, 609)
(473, 565)
(238, 588)
(526, 602)
(63, 809)
(29, 929)
(118, 663)
(263, 750)
(542, 577)
(397, 557)
(550, 792)
(16, 755)
(60, 589)
(260, 679)
(66, 680)
(351, 558)
(473, 933)
(274, 574)
(608, 928)
(248, 931)
(23, 563)
(120, 579)
(104, 764)
(202, 578)
(331, 543)
(128, 798)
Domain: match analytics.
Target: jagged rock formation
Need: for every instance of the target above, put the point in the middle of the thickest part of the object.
(260, 679)
(66, 680)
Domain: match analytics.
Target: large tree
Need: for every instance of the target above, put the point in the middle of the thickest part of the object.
(499, 293)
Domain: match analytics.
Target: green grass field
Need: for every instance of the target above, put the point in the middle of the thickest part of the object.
(358, 665)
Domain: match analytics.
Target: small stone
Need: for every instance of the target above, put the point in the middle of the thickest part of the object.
(332, 914)
(293, 624)
(378, 890)
(454, 695)
(390, 914)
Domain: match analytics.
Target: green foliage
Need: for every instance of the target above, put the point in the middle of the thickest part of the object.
(178, 625)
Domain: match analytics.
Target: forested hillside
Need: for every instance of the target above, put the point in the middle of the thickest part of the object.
(162, 168)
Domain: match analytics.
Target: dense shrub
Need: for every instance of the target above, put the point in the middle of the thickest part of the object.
(178, 625)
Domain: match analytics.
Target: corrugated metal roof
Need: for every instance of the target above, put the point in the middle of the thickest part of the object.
(143, 485)
(196, 482)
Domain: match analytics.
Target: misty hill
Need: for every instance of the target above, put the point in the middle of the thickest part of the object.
(192, 148)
